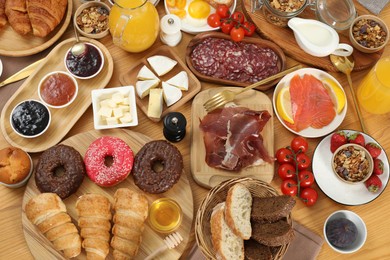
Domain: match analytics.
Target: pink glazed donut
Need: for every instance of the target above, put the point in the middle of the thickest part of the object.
(108, 161)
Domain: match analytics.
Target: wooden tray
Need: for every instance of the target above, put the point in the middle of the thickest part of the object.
(16, 45)
(210, 177)
(260, 42)
(130, 78)
(284, 37)
(62, 119)
(41, 248)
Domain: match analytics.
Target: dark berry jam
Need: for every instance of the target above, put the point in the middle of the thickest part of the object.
(30, 118)
(57, 89)
(86, 64)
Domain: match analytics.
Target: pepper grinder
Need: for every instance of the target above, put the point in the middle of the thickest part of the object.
(170, 33)
(174, 126)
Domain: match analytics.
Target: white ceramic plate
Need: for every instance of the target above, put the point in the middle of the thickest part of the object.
(1, 68)
(310, 132)
(333, 187)
(188, 28)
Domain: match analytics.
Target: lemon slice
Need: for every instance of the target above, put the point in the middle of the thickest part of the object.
(336, 94)
(283, 105)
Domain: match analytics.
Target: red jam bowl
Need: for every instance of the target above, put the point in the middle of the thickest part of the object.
(58, 89)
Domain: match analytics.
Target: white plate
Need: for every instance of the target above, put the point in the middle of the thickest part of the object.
(1, 68)
(333, 187)
(188, 28)
(310, 132)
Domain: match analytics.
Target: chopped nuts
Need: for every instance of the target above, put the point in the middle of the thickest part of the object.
(93, 19)
(287, 5)
(369, 33)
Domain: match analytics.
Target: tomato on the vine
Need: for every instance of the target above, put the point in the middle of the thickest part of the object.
(237, 34)
(214, 20)
(289, 187)
(299, 143)
(238, 17)
(303, 161)
(227, 26)
(284, 155)
(306, 178)
(223, 11)
(249, 28)
(309, 196)
(286, 171)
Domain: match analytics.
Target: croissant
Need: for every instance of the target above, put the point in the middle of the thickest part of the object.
(130, 213)
(94, 211)
(16, 13)
(48, 213)
(3, 17)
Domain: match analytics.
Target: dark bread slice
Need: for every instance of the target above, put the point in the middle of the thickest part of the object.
(256, 251)
(271, 209)
(273, 234)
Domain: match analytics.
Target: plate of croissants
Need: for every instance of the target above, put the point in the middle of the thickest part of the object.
(30, 26)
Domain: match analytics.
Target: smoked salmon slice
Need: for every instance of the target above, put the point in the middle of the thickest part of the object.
(311, 103)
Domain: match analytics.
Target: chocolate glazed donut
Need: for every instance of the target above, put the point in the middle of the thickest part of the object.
(60, 170)
(153, 155)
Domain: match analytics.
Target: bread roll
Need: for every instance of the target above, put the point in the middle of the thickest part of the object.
(15, 165)
(94, 212)
(48, 212)
(131, 211)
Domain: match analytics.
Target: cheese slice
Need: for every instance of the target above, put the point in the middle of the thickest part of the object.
(180, 80)
(172, 94)
(145, 73)
(143, 87)
(155, 103)
(161, 64)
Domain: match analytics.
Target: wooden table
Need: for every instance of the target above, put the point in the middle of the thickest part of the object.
(375, 214)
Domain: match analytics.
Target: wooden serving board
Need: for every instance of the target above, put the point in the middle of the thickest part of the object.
(130, 78)
(16, 45)
(41, 248)
(284, 37)
(62, 119)
(209, 177)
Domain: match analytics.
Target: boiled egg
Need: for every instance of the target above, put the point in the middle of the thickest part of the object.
(197, 12)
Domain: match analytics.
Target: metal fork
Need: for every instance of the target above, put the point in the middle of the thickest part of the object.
(170, 242)
(227, 96)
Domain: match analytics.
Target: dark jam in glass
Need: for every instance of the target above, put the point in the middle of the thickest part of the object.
(30, 118)
(57, 89)
(86, 64)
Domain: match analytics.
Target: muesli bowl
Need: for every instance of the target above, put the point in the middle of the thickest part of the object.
(279, 12)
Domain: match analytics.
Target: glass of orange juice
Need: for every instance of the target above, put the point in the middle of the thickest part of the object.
(134, 24)
(374, 91)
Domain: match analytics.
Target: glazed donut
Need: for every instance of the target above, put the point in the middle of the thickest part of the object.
(150, 179)
(66, 183)
(99, 170)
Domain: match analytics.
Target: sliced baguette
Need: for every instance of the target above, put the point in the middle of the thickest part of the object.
(271, 209)
(273, 234)
(238, 210)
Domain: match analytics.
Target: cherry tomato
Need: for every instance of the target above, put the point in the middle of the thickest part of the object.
(214, 20)
(284, 155)
(286, 171)
(299, 143)
(303, 161)
(306, 178)
(249, 28)
(309, 196)
(237, 34)
(227, 26)
(289, 187)
(238, 17)
(223, 11)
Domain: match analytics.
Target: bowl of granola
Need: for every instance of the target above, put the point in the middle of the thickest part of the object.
(352, 163)
(91, 19)
(279, 12)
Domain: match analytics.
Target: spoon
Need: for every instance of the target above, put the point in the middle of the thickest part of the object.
(345, 65)
(79, 48)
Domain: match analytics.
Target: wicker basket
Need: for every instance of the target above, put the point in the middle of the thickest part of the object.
(218, 194)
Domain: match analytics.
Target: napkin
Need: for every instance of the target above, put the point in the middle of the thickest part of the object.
(304, 239)
(374, 6)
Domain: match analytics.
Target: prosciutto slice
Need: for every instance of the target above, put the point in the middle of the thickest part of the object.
(232, 138)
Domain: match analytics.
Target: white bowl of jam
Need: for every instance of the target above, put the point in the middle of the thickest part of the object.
(58, 89)
(86, 65)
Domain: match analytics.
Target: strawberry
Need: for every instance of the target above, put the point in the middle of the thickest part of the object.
(374, 149)
(373, 184)
(357, 138)
(337, 139)
(378, 166)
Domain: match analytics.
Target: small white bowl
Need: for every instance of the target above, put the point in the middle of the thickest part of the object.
(99, 95)
(360, 225)
(24, 181)
(51, 74)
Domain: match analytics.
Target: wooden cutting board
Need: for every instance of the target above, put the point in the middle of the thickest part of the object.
(284, 37)
(210, 177)
(41, 248)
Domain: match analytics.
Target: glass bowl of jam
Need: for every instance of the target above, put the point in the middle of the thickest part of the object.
(86, 65)
(58, 89)
(30, 118)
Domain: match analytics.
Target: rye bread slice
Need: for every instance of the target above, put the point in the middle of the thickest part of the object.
(256, 251)
(271, 209)
(273, 234)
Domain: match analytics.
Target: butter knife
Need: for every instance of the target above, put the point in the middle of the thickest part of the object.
(22, 73)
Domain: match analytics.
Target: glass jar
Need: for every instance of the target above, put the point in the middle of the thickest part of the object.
(278, 13)
(338, 14)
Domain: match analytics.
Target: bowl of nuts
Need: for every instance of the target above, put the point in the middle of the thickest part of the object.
(368, 33)
(91, 19)
(352, 163)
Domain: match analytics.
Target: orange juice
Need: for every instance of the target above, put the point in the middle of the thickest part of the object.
(134, 24)
(374, 90)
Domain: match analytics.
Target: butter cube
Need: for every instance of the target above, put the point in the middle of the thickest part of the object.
(105, 111)
(111, 120)
(118, 112)
(127, 118)
(125, 108)
(117, 97)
